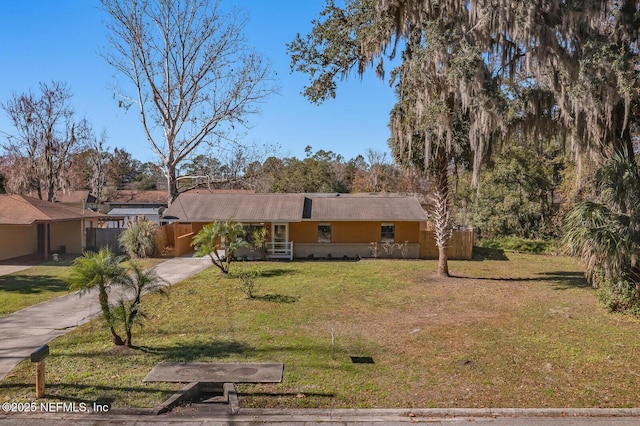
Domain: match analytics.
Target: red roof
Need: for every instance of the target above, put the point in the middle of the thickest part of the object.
(134, 196)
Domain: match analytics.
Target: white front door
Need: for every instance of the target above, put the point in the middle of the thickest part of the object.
(279, 234)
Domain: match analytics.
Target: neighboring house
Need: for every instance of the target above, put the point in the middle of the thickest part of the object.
(314, 225)
(30, 226)
(79, 198)
(131, 205)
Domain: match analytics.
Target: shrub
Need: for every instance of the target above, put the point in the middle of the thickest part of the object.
(523, 245)
(619, 296)
(248, 279)
(139, 239)
(220, 241)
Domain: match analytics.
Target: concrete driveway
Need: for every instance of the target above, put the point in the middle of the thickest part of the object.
(10, 269)
(17, 264)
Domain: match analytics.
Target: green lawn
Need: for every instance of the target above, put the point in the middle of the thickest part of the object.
(34, 285)
(37, 284)
(522, 332)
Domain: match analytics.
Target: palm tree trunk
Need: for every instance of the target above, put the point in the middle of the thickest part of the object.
(442, 208)
(443, 264)
(127, 340)
(103, 297)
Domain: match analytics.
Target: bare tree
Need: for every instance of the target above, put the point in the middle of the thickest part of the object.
(46, 134)
(98, 160)
(193, 73)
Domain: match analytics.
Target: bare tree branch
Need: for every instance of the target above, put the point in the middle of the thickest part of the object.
(192, 71)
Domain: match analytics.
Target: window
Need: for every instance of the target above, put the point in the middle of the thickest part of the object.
(388, 233)
(324, 233)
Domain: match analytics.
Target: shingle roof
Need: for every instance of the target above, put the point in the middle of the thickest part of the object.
(135, 196)
(191, 207)
(365, 207)
(23, 210)
(140, 211)
(68, 197)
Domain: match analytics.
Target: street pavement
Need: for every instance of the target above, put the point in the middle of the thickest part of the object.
(355, 417)
(24, 331)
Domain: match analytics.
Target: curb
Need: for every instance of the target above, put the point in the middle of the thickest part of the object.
(243, 415)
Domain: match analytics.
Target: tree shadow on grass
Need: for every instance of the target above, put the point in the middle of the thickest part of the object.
(54, 390)
(278, 272)
(487, 253)
(277, 298)
(563, 280)
(192, 351)
(566, 280)
(31, 284)
(179, 352)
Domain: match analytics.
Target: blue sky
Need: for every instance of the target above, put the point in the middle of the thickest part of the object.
(45, 40)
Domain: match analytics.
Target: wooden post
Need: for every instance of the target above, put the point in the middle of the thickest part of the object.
(40, 379)
(38, 357)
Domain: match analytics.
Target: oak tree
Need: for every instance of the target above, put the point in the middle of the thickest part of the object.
(495, 70)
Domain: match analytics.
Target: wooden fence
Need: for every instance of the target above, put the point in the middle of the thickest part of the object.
(174, 239)
(460, 245)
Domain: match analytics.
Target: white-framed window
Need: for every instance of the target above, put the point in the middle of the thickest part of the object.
(388, 233)
(324, 232)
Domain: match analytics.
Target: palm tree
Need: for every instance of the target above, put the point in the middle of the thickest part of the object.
(216, 237)
(100, 270)
(138, 281)
(605, 232)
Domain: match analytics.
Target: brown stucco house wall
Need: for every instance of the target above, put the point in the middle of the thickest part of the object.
(29, 226)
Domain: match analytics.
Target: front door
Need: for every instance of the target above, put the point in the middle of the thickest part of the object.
(279, 235)
(42, 237)
(281, 248)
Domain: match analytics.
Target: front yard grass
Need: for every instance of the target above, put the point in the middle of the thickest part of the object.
(38, 284)
(522, 332)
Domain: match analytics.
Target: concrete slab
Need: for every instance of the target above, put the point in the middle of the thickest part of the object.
(216, 372)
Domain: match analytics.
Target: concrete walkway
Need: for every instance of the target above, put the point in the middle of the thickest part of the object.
(26, 330)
